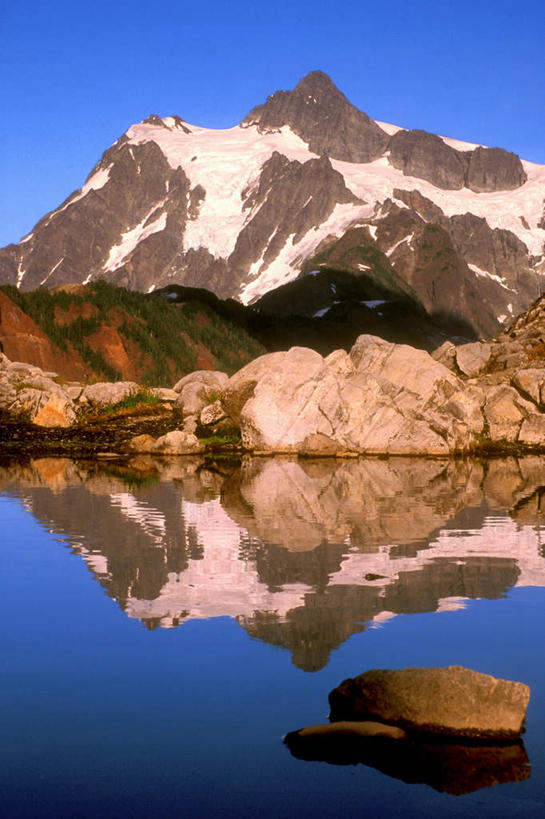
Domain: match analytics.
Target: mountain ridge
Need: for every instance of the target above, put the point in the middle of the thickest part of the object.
(244, 210)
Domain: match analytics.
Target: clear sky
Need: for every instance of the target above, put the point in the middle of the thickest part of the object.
(75, 75)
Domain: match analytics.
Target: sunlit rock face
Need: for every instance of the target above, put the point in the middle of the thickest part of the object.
(302, 553)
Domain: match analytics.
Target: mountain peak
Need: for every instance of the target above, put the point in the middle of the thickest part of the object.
(323, 117)
(316, 81)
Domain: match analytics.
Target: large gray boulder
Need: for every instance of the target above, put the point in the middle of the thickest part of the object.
(199, 389)
(472, 358)
(213, 379)
(453, 701)
(380, 398)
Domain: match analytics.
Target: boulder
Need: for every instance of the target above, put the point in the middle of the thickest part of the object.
(472, 358)
(44, 407)
(381, 398)
(164, 394)
(198, 390)
(453, 701)
(400, 364)
(532, 431)
(213, 379)
(36, 397)
(104, 393)
(177, 442)
(283, 409)
(446, 355)
(531, 385)
(212, 414)
(504, 411)
(234, 397)
(347, 730)
(141, 443)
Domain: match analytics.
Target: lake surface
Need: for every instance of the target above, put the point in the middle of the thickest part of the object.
(166, 623)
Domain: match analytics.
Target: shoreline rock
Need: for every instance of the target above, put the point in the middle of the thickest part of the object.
(380, 398)
(451, 702)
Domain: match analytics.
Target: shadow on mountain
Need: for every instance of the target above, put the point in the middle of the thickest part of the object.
(328, 309)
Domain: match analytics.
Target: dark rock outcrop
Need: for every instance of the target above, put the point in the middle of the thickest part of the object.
(418, 153)
(322, 116)
(494, 169)
(427, 156)
(291, 198)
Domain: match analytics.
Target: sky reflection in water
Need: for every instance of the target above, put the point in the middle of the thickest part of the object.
(246, 580)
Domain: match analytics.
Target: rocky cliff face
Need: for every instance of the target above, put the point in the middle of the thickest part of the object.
(322, 116)
(248, 209)
(427, 156)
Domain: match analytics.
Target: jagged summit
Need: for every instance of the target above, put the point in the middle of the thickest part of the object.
(323, 117)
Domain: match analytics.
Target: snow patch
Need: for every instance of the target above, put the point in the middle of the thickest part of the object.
(131, 238)
(97, 181)
(61, 260)
(284, 268)
(486, 275)
(407, 238)
(372, 303)
(230, 162)
(375, 182)
(20, 274)
(460, 145)
(389, 128)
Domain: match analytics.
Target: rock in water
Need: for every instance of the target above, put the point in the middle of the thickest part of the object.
(451, 701)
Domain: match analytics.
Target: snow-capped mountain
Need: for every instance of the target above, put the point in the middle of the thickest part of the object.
(305, 182)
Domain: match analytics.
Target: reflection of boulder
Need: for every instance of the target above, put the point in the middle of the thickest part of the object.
(450, 768)
(371, 501)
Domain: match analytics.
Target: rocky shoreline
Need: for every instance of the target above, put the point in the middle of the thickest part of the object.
(379, 398)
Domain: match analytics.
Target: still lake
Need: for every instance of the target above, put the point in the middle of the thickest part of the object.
(166, 623)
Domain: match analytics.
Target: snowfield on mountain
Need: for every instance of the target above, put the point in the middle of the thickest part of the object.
(305, 182)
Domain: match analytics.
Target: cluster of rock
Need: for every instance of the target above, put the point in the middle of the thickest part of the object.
(32, 395)
(379, 398)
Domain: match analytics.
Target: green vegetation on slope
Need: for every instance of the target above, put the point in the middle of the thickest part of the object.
(169, 337)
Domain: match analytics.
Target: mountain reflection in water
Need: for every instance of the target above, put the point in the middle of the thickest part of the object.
(303, 553)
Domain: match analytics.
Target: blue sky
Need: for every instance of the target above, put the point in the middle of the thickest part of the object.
(75, 75)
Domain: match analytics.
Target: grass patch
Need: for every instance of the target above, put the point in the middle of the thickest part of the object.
(136, 402)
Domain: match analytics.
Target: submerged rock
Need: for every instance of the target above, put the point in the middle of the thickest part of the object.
(453, 701)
